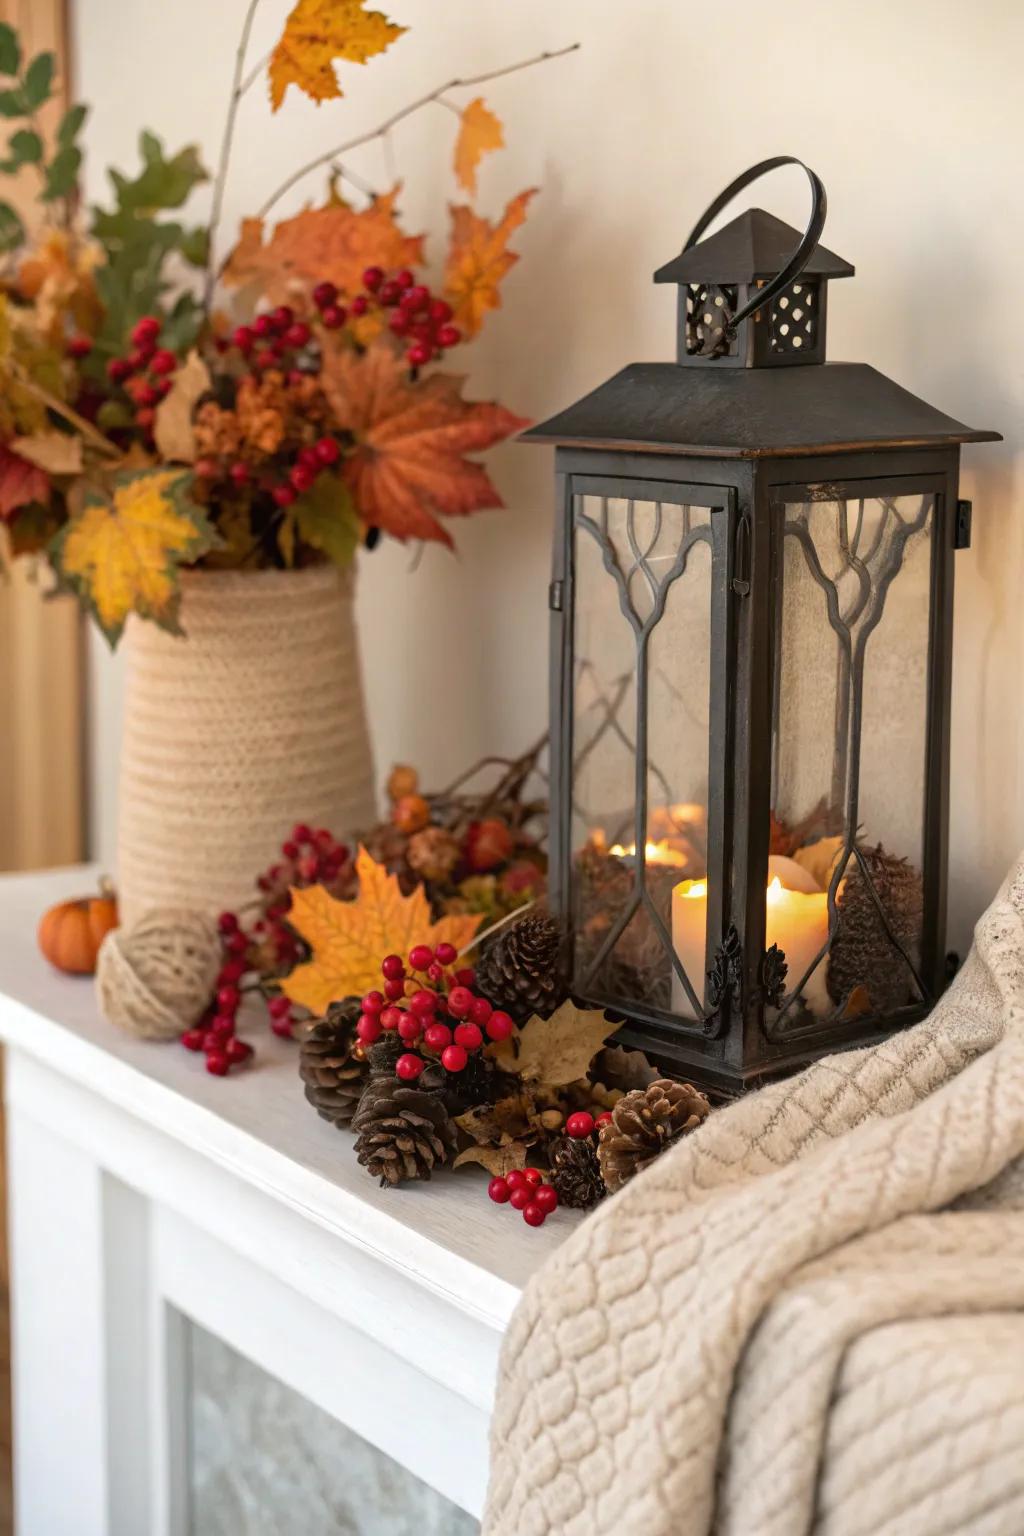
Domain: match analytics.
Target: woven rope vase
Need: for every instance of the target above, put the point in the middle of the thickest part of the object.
(250, 722)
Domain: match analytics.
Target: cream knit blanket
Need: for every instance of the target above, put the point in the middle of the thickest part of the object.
(809, 1316)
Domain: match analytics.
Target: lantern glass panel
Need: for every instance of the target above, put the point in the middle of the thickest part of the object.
(640, 730)
(850, 743)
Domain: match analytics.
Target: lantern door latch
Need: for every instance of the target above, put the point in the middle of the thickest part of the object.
(741, 557)
(556, 596)
(962, 525)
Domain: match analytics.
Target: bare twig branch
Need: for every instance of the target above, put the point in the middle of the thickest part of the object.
(237, 89)
(404, 112)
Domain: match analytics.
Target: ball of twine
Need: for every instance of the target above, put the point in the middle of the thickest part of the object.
(155, 979)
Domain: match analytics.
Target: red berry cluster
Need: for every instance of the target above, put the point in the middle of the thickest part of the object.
(310, 463)
(308, 857)
(216, 1036)
(143, 372)
(273, 340)
(420, 317)
(524, 1190)
(582, 1124)
(438, 1017)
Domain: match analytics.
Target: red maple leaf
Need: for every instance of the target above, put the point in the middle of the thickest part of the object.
(409, 464)
(20, 483)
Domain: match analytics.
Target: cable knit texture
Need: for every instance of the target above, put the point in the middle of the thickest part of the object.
(809, 1315)
(251, 722)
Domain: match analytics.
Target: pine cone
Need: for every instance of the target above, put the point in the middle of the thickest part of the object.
(576, 1173)
(401, 1132)
(862, 954)
(334, 1079)
(643, 1124)
(523, 969)
(433, 853)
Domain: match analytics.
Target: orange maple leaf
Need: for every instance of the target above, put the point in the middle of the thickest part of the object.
(410, 441)
(479, 133)
(317, 33)
(478, 259)
(349, 939)
(333, 244)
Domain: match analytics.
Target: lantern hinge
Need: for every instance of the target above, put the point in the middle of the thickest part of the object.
(962, 526)
(741, 557)
(556, 593)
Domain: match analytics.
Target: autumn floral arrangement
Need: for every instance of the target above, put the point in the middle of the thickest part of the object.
(287, 404)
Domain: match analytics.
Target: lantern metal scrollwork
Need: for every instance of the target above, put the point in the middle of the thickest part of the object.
(751, 662)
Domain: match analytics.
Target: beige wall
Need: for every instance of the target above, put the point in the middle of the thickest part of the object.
(912, 112)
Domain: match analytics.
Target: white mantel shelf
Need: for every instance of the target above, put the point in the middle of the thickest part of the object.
(144, 1191)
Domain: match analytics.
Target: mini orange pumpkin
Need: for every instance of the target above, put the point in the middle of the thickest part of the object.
(70, 934)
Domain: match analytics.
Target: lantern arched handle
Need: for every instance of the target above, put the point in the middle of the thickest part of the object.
(804, 250)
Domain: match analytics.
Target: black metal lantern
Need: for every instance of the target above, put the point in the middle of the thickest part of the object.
(752, 605)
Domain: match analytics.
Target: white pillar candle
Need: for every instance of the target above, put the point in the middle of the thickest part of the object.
(796, 920)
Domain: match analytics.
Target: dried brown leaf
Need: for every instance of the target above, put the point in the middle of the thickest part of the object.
(59, 453)
(557, 1050)
(174, 432)
(497, 1160)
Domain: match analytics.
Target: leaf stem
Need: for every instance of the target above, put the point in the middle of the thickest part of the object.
(220, 182)
(401, 114)
(59, 408)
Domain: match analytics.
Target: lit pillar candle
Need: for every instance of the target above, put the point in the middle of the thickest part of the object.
(796, 920)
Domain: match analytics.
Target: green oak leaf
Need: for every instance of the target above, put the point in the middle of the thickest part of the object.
(26, 147)
(38, 81)
(10, 50)
(71, 125)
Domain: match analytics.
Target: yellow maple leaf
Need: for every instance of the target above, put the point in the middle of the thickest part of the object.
(316, 34)
(122, 555)
(479, 133)
(349, 939)
(478, 259)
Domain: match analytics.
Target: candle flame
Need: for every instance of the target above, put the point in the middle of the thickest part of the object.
(654, 853)
(775, 892)
(698, 889)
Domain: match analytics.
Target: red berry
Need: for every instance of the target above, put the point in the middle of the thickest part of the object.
(440, 310)
(368, 1028)
(437, 1036)
(234, 970)
(279, 1007)
(282, 1028)
(282, 317)
(469, 1035)
(217, 1062)
(420, 956)
(394, 988)
(243, 338)
(265, 358)
(146, 331)
(534, 1214)
(453, 1058)
(227, 923)
(390, 1018)
(327, 450)
(435, 973)
(390, 293)
(373, 1002)
(139, 359)
(520, 1196)
(301, 833)
(447, 954)
(301, 477)
(533, 1177)
(283, 495)
(359, 305)
(488, 843)
(605, 1119)
(546, 1196)
(399, 323)
(207, 469)
(499, 1026)
(580, 1125)
(263, 326)
(163, 361)
(415, 298)
(424, 1002)
(499, 1191)
(404, 278)
(448, 336)
(419, 353)
(515, 1178)
(372, 278)
(324, 295)
(237, 1050)
(466, 977)
(79, 346)
(409, 1067)
(239, 472)
(481, 1010)
(118, 370)
(298, 334)
(192, 1039)
(410, 1027)
(392, 968)
(333, 317)
(145, 418)
(460, 1001)
(163, 388)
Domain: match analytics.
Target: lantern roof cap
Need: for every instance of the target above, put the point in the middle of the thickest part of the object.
(752, 413)
(754, 245)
